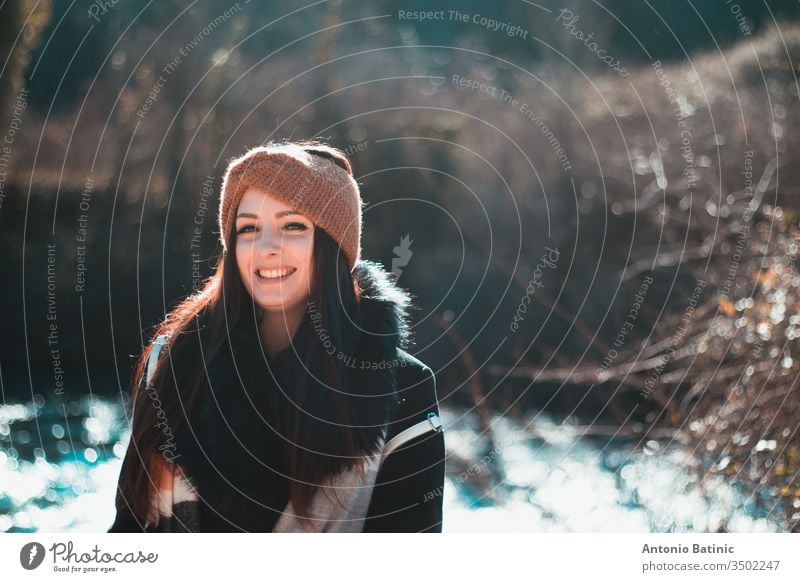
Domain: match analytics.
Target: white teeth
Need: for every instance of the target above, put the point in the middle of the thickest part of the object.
(275, 273)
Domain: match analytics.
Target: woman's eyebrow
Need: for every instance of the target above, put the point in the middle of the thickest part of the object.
(280, 214)
(286, 213)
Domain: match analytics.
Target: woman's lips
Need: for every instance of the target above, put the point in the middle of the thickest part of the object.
(270, 280)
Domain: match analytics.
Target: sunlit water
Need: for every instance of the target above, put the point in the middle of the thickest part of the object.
(58, 475)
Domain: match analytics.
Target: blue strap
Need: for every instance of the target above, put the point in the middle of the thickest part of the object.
(158, 343)
(431, 424)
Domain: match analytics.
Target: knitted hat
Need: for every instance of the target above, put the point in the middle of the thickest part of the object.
(315, 180)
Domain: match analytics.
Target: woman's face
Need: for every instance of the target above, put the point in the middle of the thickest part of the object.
(274, 251)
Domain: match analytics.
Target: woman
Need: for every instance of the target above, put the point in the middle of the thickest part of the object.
(283, 398)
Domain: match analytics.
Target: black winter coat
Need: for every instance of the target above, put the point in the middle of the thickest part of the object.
(238, 465)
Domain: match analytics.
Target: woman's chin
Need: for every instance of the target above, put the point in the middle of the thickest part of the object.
(277, 303)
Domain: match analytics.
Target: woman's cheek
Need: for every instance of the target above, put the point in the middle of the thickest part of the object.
(243, 261)
(309, 248)
(302, 249)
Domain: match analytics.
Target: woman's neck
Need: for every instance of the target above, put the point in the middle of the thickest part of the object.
(277, 328)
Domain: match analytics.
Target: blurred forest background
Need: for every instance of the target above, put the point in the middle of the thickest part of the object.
(683, 174)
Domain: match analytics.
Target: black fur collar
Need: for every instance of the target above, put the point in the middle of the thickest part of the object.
(384, 311)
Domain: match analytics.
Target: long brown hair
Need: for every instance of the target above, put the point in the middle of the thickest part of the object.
(207, 318)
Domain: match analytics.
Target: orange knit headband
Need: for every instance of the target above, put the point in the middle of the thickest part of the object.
(305, 178)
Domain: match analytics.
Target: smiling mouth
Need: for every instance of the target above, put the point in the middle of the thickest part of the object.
(274, 275)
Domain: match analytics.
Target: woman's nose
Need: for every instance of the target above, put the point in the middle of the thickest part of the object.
(269, 243)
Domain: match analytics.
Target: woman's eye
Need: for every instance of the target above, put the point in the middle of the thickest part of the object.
(295, 226)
